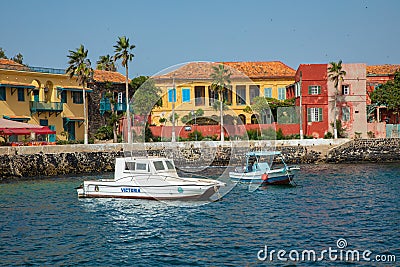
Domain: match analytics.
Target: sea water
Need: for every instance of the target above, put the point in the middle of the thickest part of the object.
(338, 208)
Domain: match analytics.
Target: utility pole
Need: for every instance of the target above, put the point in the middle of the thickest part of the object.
(301, 107)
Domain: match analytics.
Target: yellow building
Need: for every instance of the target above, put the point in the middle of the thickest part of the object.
(42, 96)
(248, 80)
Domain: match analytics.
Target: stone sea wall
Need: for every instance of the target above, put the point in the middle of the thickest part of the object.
(25, 162)
(366, 150)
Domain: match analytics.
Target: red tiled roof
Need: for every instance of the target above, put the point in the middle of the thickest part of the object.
(252, 70)
(259, 70)
(386, 69)
(10, 64)
(108, 76)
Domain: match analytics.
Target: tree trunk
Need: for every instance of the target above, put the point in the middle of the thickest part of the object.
(335, 135)
(128, 115)
(222, 118)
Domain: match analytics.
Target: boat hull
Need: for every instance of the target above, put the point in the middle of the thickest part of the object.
(275, 177)
(94, 189)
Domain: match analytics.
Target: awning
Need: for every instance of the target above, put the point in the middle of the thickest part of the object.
(17, 118)
(74, 89)
(15, 131)
(17, 85)
(44, 130)
(79, 119)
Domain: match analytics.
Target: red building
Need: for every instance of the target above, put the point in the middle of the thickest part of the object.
(314, 92)
(377, 75)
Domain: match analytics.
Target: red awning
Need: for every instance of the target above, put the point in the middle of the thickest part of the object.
(6, 132)
(19, 131)
(44, 130)
(15, 131)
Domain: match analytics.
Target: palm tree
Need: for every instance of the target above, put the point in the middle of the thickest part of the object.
(221, 80)
(336, 75)
(106, 63)
(123, 51)
(80, 67)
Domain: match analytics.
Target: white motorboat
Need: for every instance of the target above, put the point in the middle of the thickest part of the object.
(258, 169)
(149, 178)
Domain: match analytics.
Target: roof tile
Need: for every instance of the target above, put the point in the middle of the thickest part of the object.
(108, 76)
(386, 69)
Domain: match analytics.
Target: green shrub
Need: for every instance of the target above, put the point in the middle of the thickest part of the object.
(104, 133)
(328, 135)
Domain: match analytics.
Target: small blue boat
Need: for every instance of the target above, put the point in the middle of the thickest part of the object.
(258, 169)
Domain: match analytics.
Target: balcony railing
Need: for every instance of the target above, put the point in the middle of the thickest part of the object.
(32, 69)
(45, 106)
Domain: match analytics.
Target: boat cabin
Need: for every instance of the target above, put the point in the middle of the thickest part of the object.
(143, 165)
(260, 160)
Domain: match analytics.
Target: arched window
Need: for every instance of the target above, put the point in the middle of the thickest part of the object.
(243, 118)
(254, 119)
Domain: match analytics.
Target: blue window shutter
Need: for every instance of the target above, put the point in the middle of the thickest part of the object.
(3, 93)
(185, 95)
(172, 95)
(268, 92)
(21, 94)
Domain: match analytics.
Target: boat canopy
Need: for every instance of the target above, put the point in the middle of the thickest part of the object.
(262, 153)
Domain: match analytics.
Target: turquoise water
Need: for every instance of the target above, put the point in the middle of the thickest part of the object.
(43, 223)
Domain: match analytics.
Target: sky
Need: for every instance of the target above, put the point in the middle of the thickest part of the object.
(171, 32)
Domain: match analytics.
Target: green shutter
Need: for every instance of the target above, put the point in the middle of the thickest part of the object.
(319, 114)
(319, 89)
(309, 90)
(309, 115)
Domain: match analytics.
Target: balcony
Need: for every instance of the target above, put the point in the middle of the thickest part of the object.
(40, 107)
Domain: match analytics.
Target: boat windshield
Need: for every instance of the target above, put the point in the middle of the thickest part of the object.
(141, 166)
(129, 166)
(170, 165)
(159, 165)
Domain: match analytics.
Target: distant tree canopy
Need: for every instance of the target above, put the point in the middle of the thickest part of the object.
(19, 58)
(2, 53)
(147, 95)
(388, 94)
(106, 63)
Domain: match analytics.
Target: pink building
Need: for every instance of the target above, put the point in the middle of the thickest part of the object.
(318, 98)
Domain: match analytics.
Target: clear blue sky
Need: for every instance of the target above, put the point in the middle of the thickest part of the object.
(170, 32)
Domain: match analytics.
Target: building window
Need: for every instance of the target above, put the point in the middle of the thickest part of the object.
(64, 96)
(2, 94)
(185, 95)
(254, 92)
(345, 113)
(314, 114)
(199, 94)
(345, 89)
(212, 96)
(314, 90)
(227, 94)
(240, 94)
(21, 94)
(282, 93)
(268, 92)
(172, 95)
(77, 97)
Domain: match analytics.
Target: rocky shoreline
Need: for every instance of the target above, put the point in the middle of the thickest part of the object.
(79, 159)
